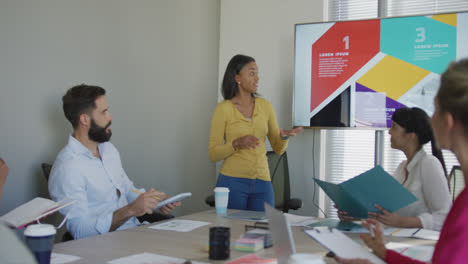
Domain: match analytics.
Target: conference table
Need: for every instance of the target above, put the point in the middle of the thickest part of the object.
(186, 245)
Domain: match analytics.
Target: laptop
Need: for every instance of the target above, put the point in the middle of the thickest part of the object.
(283, 242)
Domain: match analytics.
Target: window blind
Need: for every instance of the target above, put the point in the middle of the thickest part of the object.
(348, 153)
(421, 7)
(347, 10)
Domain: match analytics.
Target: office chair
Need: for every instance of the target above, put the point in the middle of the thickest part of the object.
(150, 218)
(46, 168)
(456, 181)
(279, 173)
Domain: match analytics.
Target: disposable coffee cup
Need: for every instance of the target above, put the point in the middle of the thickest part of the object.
(219, 243)
(40, 240)
(221, 200)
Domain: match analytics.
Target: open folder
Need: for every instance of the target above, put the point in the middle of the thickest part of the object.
(357, 196)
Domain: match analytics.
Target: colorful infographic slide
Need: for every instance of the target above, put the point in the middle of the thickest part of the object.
(357, 73)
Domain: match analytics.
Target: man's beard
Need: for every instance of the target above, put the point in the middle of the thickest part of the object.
(99, 134)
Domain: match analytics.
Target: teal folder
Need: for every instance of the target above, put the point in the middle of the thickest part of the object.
(358, 195)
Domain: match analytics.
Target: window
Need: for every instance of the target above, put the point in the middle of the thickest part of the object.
(348, 153)
(351, 152)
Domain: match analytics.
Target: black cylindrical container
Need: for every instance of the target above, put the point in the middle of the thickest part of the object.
(219, 243)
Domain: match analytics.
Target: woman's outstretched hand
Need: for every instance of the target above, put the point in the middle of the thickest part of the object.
(290, 132)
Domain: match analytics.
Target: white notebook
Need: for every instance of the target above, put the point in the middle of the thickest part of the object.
(32, 211)
(342, 245)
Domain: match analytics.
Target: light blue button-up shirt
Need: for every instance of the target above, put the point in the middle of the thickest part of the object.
(77, 174)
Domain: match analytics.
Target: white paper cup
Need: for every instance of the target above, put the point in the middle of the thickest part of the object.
(40, 240)
(221, 200)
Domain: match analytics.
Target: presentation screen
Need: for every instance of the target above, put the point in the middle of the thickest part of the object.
(357, 73)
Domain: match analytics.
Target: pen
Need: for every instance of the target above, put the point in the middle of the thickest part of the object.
(416, 232)
(154, 196)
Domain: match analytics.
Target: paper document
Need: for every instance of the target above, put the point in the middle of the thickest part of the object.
(299, 220)
(340, 225)
(358, 195)
(179, 225)
(247, 215)
(57, 258)
(348, 227)
(342, 245)
(150, 258)
(417, 233)
(173, 199)
(33, 210)
(422, 253)
(252, 259)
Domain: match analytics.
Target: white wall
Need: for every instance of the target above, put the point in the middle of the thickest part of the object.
(264, 29)
(158, 61)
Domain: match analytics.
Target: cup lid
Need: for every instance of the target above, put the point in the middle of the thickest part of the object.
(221, 189)
(39, 230)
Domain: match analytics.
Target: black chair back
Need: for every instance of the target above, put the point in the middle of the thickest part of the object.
(280, 179)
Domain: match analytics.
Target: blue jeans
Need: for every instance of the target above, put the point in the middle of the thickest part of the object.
(247, 194)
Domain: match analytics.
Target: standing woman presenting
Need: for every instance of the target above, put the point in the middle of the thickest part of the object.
(239, 127)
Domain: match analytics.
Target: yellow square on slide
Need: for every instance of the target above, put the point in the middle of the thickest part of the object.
(393, 77)
(450, 19)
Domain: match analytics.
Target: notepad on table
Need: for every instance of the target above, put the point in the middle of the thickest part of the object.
(357, 196)
(417, 233)
(422, 253)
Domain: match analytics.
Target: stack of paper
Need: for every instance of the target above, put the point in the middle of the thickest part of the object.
(248, 244)
(179, 225)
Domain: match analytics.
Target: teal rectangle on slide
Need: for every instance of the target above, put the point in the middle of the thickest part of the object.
(421, 41)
